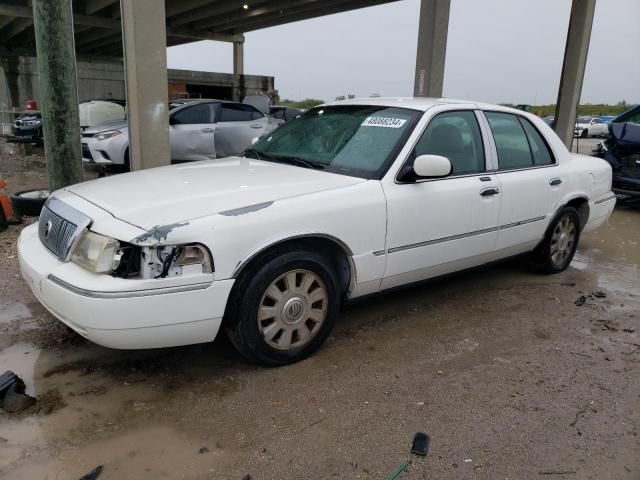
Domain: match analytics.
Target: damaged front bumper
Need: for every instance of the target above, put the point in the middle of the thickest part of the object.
(123, 313)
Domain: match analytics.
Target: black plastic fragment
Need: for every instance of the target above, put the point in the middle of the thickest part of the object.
(7, 379)
(420, 444)
(93, 474)
(580, 300)
(599, 294)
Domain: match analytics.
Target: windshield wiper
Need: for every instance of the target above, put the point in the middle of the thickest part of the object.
(299, 162)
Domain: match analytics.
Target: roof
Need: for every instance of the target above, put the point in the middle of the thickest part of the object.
(417, 103)
(97, 24)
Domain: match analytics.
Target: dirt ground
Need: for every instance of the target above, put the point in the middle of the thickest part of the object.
(506, 373)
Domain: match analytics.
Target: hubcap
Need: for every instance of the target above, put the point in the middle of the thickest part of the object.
(292, 309)
(562, 240)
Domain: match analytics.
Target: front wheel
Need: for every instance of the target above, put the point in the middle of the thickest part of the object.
(585, 133)
(283, 308)
(559, 245)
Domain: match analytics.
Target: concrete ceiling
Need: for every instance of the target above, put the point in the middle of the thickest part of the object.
(98, 29)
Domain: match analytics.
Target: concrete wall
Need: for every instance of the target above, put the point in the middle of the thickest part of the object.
(104, 79)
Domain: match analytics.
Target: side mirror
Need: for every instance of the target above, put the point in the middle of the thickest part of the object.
(431, 166)
(254, 140)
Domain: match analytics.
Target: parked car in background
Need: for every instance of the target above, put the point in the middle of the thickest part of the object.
(548, 119)
(284, 114)
(587, 126)
(28, 127)
(349, 199)
(622, 150)
(198, 130)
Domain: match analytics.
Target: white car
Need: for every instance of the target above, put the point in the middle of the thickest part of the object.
(349, 199)
(198, 130)
(591, 127)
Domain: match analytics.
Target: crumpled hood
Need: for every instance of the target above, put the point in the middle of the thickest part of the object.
(178, 193)
(103, 127)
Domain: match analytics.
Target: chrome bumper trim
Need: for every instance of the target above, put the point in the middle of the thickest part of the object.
(129, 293)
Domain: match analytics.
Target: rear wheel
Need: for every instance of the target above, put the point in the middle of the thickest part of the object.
(557, 249)
(283, 307)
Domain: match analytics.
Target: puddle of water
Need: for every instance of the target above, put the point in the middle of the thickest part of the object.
(13, 311)
(612, 252)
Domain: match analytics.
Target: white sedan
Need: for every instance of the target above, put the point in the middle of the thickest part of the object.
(198, 130)
(591, 127)
(349, 199)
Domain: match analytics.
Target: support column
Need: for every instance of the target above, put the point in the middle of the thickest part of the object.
(145, 58)
(573, 67)
(53, 23)
(238, 71)
(432, 47)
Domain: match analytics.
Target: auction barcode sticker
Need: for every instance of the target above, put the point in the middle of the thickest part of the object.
(386, 122)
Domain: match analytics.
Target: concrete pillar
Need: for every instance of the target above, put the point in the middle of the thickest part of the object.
(238, 58)
(575, 60)
(53, 22)
(238, 71)
(433, 27)
(145, 59)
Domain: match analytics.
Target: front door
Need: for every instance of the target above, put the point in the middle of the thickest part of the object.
(191, 133)
(442, 225)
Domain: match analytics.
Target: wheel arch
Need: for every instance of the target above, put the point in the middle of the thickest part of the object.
(335, 249)
(581, 203)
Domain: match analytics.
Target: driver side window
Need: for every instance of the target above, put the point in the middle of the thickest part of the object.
(455, 135)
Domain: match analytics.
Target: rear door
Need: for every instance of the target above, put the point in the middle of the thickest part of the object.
(191, 131)
(236, 126)
(529, 181)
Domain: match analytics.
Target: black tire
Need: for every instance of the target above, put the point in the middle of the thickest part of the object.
(3, 220)
(29, 202)
(545, 258)
(584, 133)
(249, 294)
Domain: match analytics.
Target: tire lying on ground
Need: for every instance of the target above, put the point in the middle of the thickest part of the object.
(29, 202)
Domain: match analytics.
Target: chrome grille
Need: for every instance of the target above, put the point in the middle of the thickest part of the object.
(59, 226)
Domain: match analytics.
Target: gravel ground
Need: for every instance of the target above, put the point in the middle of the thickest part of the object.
(500, 366)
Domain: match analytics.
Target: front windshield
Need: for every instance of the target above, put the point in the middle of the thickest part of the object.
(356, 140)
(584, 119)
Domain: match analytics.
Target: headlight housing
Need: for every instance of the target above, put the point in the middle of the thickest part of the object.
(95, 252)
(108, 134)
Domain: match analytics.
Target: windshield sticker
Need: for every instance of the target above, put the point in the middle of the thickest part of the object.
(386, 122)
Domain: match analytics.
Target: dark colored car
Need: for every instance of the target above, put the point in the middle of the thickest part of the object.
(28, 127)
(284, 113)
(622, 150)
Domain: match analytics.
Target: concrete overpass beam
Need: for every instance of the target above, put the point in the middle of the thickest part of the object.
(145, 57)
(432, 47)
(573, 67)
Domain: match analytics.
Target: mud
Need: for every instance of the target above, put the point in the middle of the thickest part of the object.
(508, 376)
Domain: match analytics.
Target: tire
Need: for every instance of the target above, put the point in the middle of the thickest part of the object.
(29, 202)
(295, 294)
(126, 167)
(584, 133)
(555, 252)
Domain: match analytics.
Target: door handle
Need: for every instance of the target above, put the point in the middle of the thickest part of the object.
(555, 181)
(256, 125)
(207, 130)
(487, 192)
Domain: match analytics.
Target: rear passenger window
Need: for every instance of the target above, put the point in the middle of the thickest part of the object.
(237, 113)
(454, 135)
(539, 149)
(511, 141)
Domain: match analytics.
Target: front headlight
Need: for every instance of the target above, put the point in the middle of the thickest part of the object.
(95, 252)
(108, 134)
